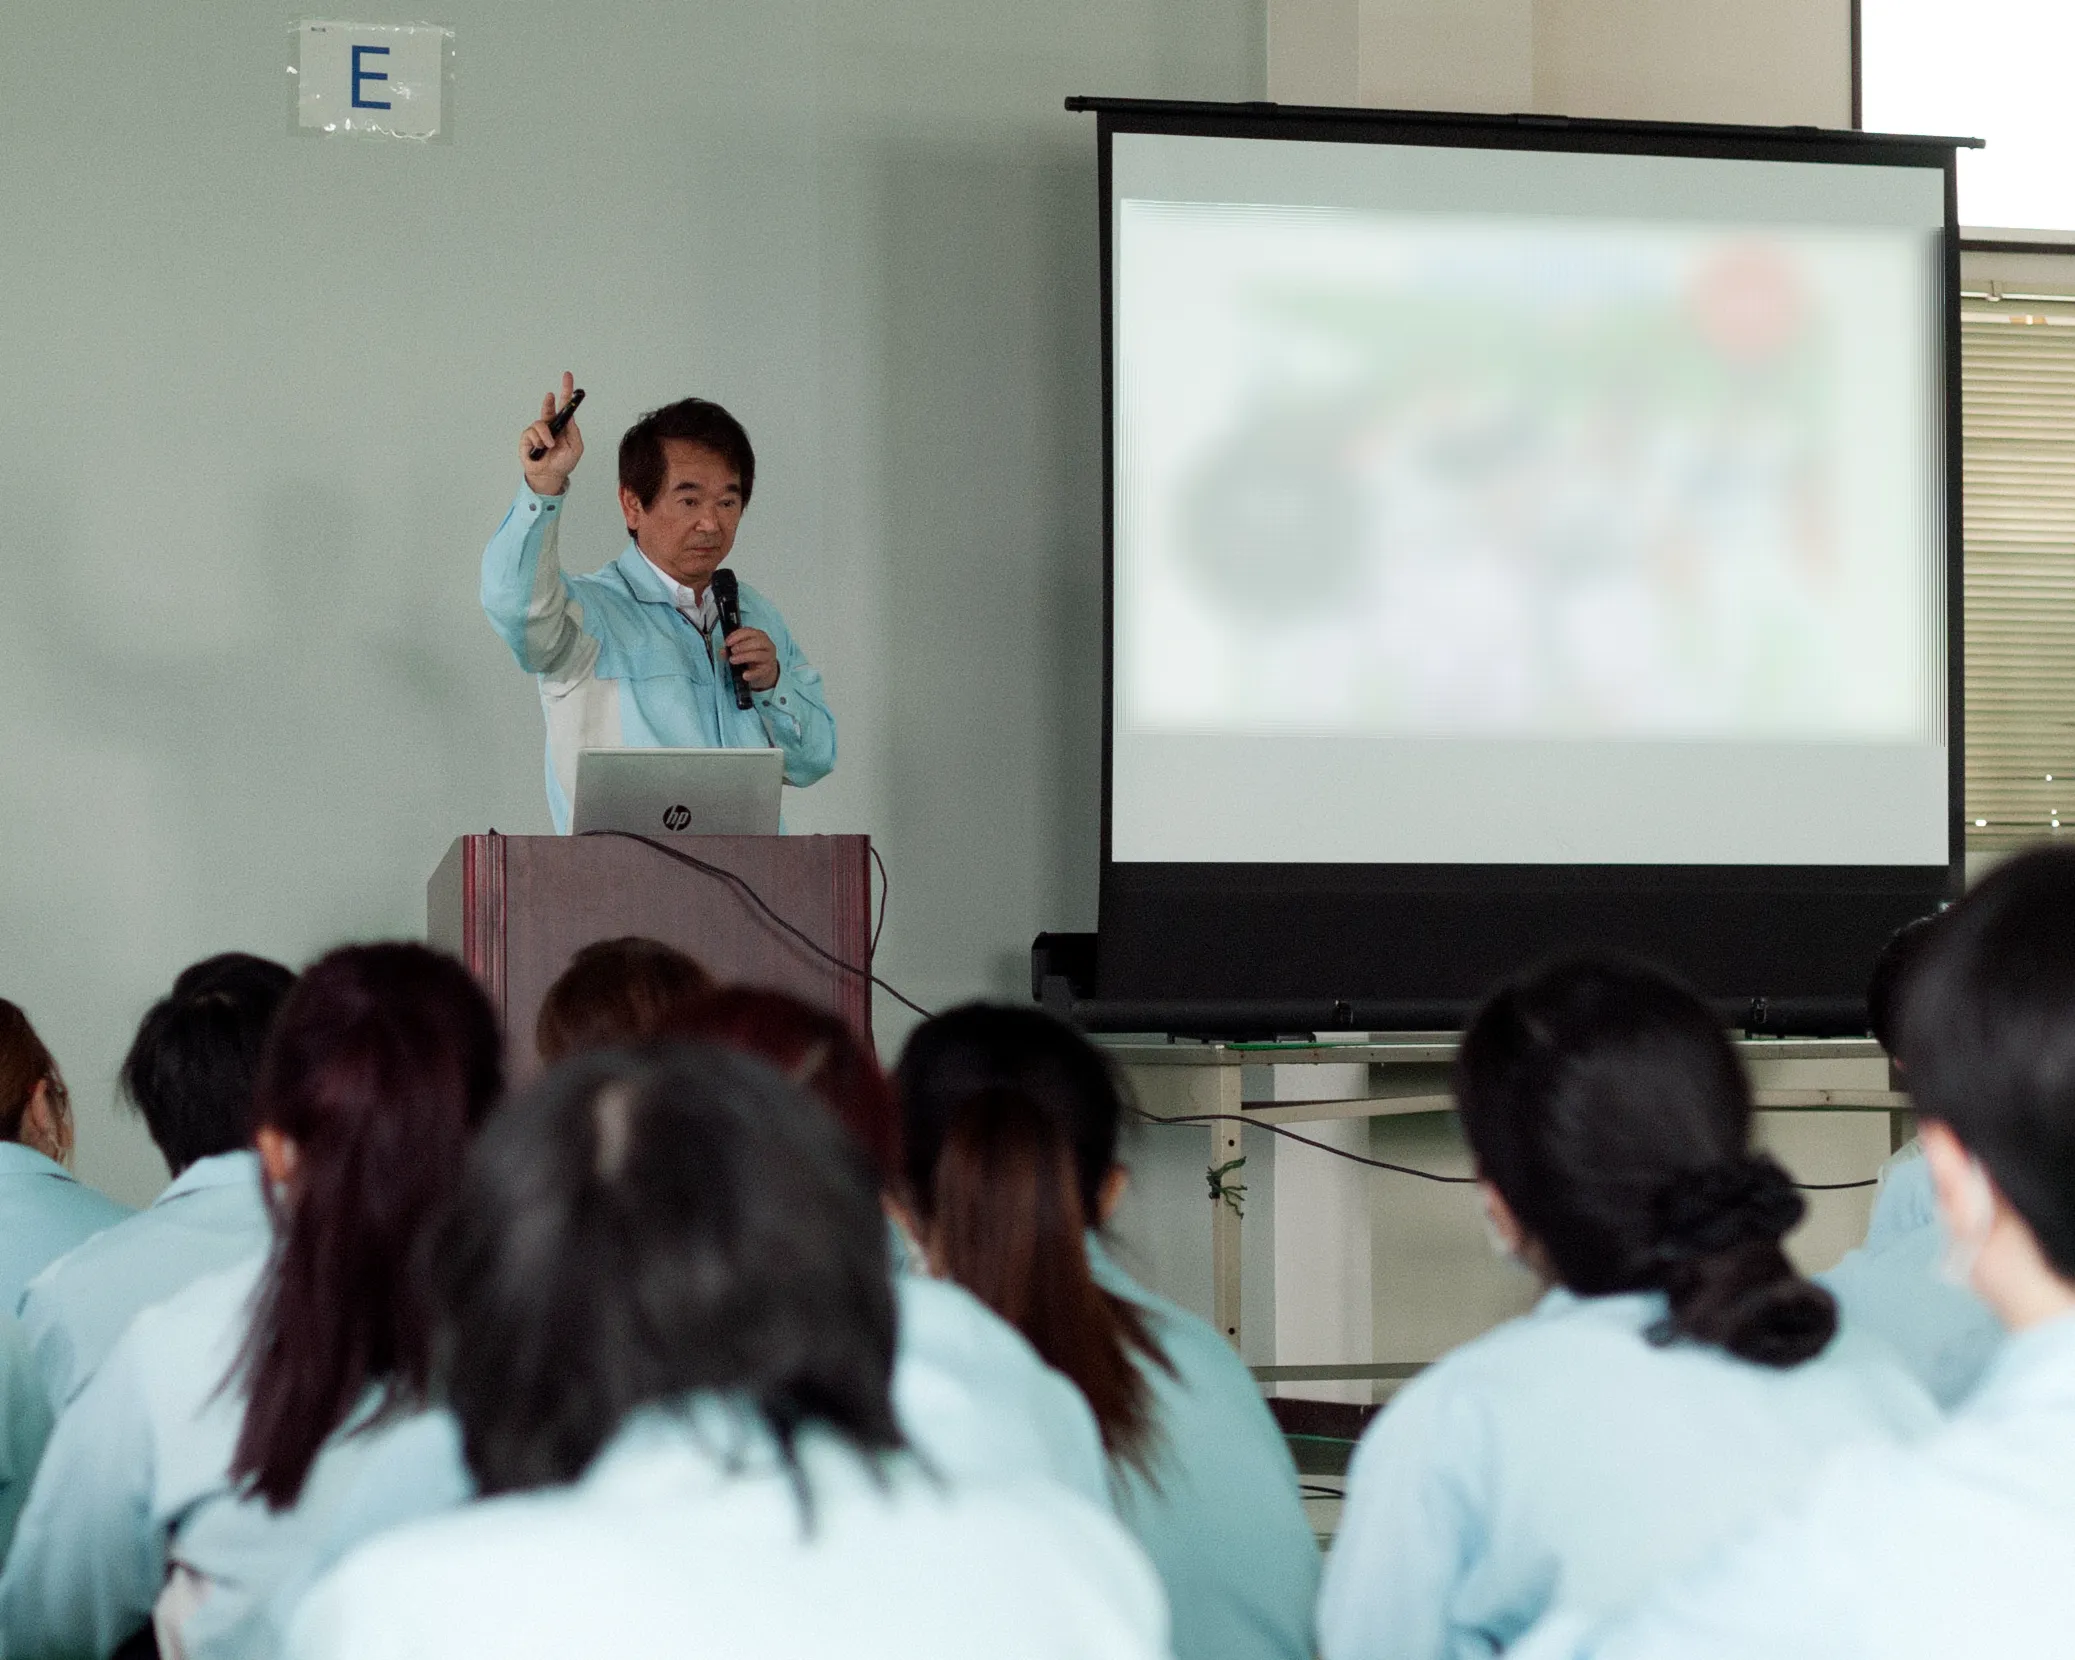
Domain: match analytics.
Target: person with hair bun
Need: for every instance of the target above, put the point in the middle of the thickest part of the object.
(1677, 1381)
(189, 1073)
(44, 1209)
(667, 1305)
(1963, 1544)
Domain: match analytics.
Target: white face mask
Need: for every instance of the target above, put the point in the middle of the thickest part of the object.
(1967, 1234)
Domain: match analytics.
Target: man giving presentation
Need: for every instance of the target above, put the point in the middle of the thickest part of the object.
(633, 655)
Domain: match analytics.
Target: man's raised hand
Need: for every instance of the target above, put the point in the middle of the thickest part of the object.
(549, 476)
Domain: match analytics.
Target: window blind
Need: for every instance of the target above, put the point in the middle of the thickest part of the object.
(2017, 366)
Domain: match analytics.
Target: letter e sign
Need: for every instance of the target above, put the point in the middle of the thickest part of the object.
(384, 80)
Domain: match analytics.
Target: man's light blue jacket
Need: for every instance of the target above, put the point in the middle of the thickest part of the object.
(210, 1216)
(619, 666)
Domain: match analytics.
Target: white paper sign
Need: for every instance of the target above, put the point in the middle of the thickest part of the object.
(384, 79)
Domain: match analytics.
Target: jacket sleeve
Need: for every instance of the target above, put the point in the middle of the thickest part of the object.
(89, 1553)
(526, 596)
(1408, 1532)
(795, 711)
(25, 1423)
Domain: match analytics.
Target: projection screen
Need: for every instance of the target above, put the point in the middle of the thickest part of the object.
(1523, 537)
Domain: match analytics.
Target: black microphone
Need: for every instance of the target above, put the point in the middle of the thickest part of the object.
(727, 600)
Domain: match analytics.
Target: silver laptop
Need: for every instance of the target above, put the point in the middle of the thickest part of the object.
(678, 792)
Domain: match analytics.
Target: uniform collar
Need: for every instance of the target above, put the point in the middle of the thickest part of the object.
(218, 1170)
(655, 586)
(2032, 1368)
(19, 1160)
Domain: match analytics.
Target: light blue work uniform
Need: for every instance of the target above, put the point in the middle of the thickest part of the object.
(1961, 1546)
(687, 1536)
(620, 666)
(1563, 1459)
(137, 1477)
(971, 1395)
(1891, 1287)
(25, 1420)
(45, 1210)
(1222, 1516)
(210, 1216)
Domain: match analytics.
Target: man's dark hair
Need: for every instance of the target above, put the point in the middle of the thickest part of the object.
(190, 1067)
(1891, 971)
(641, 1226)
(1988, 1024)
(694, 421)
(1603, 1100)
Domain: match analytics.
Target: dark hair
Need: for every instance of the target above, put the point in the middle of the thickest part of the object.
(1898, 959)
(640, 1226)
(1606, 1105)
(382, 1062)
(24, 1063)
(1988, 1023)
(816, 1050)
(190, 1067)
(643, 464)
(617, 991)
(1010, 1121)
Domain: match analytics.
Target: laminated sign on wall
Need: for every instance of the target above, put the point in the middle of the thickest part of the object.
(381, 80)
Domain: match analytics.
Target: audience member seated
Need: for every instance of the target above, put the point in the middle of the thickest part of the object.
(44, 1209)
(189, 1073)
(210, 1444)
(1679, 1379)
(625, 990)
(972, 1396)
(671, 1320)
(24, 1426)
(1010, 1124)
(1891, 1285)
(1964, 1544)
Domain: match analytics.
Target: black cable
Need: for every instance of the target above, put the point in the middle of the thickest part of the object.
(885, 894)
(1323, 1147)
(742, 887)
(1402, 1169)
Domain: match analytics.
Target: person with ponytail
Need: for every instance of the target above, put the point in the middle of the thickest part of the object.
(200, 1463)
(44, 1209)
(1010, 1126)
(1678, 1379)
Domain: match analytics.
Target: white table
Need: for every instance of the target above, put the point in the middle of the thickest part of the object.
(1409, 1074)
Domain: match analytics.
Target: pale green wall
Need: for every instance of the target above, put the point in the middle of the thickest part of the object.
(258, 399)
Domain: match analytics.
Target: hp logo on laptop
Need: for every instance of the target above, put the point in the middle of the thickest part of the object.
(676, 818)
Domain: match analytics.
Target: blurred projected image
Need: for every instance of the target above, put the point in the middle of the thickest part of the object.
(1525, 478)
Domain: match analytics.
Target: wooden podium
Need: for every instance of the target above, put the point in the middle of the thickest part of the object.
(514, 909)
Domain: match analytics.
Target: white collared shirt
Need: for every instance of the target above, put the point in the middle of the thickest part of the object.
(697, 609)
